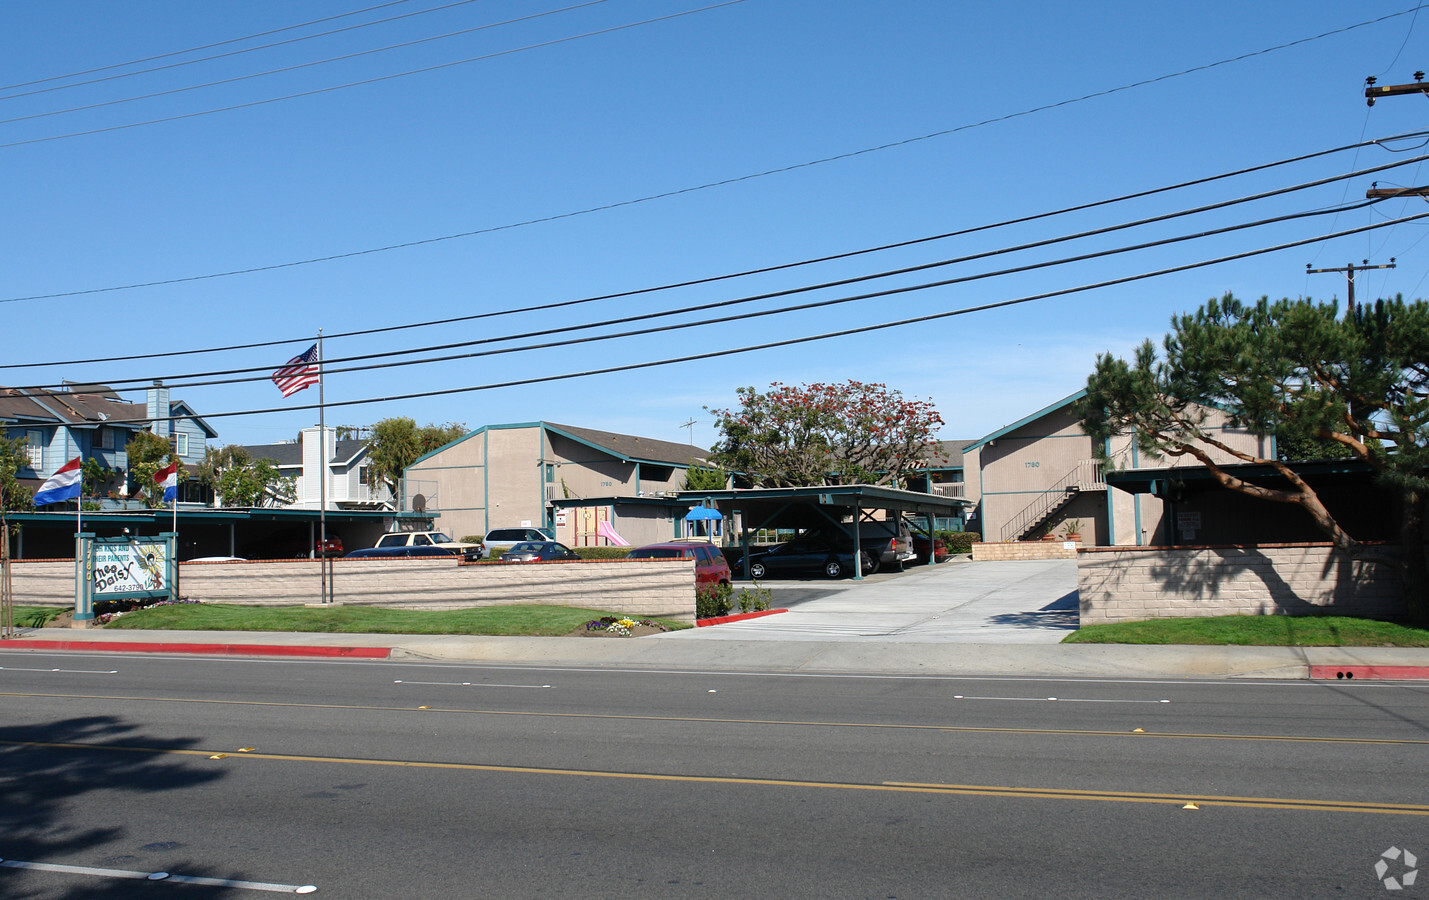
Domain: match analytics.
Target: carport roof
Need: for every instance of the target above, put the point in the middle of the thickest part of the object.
(196, 515)
(862, 496)
(1155, 481)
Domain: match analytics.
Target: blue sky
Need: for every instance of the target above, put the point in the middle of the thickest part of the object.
(544, 128)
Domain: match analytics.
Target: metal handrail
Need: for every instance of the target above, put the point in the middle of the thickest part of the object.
(1085, 475)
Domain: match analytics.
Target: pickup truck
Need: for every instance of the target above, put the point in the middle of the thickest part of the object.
(887, 543)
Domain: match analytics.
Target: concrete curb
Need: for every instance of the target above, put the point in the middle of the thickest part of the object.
(201, 649)
(684, 651)
(737, 617)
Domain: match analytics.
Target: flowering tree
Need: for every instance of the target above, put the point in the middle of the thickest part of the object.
(813, 434)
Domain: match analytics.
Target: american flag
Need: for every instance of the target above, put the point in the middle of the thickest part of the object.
(298, 372)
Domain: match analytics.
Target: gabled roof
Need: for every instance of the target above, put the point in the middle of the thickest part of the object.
(180, 408)
(633, 449)
(626, 447)
(289, 454)
(85, 406)
(1065, 401)
(947, 455)
(21, 405)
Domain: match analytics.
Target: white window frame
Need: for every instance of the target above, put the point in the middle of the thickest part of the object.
(35, 448)
(181, 444)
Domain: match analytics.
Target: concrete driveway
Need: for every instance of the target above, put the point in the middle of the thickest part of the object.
(1023, 602)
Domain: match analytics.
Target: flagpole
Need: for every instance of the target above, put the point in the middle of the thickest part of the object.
(322, 478)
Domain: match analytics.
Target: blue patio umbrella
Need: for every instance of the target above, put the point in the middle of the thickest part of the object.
(702, 514)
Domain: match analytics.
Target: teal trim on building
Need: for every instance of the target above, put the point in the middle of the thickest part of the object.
(1065, 401)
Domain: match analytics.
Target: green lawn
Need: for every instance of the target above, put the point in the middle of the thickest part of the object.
(1262, 631)
(490, 620)
(36, 616)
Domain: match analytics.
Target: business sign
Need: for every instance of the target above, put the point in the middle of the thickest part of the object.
(136, 566)
(123, 567)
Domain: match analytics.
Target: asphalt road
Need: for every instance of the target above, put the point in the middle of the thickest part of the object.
(415, 780)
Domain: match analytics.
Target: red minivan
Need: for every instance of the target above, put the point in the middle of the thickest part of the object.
(710, 565)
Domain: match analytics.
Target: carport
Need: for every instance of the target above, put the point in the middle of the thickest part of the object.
(804, 507)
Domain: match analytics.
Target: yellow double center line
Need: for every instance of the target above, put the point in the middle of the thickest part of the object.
(971, 790)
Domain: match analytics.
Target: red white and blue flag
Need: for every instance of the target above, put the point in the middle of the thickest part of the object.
(169, 478)
(299, 372)
(61, 486)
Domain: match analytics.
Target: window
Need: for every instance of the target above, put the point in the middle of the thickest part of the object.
(35, 448)
(421, 540)
(181, 444)
(103, 438)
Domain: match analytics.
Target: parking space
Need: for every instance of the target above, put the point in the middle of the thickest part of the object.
(954, 602)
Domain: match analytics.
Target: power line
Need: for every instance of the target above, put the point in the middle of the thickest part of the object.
(715, 354)
(803, 307)
(202, 59)
(366, 81)
(296, 66)
(266, 369)
(826, 258)
(672, 193)
(202, 47)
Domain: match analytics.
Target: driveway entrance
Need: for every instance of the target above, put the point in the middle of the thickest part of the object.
(1014, 602)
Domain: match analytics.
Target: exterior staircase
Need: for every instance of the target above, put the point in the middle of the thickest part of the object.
(1084, 476)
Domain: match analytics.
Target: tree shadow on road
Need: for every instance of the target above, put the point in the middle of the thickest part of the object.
(45, 766)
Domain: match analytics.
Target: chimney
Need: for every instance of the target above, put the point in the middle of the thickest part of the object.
(157, 410)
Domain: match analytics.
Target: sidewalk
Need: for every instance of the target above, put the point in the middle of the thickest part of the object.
(668, 652)
(999, 619)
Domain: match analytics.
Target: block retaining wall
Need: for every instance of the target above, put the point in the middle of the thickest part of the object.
(1025, 550)
(1128, 584)
(638, 588)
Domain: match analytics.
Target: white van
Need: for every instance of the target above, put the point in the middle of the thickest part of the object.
(421, 539)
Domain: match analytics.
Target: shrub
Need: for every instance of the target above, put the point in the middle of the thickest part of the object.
(754, 599)
(472, 539)
(713, 600)
(601, 552)
(960, 541)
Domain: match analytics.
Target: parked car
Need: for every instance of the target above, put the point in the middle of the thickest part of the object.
(329, 547)
(710, 564)
(420, 539)
(538, 551)
(499, 540)
(811, 553)
(887, 543)
(921, 547)
(397, 551)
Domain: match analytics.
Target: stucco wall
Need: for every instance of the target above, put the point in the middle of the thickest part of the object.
(640, 588)
(1122, 584)
(1011, 472)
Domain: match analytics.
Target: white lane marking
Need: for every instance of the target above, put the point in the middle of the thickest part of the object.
(472, 684)
(1171, 681)
(69, 671)
(1056, 699)
(161, 876)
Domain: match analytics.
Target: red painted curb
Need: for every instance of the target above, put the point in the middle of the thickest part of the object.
(1380, 673)
(202, 649)
(737, 617)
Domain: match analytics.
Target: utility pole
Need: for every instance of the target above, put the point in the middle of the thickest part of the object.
(690, 425)
(1350, 271)
(1373, 93)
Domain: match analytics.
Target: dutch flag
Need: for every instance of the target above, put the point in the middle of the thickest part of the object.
(61, 486)
(169, 478)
